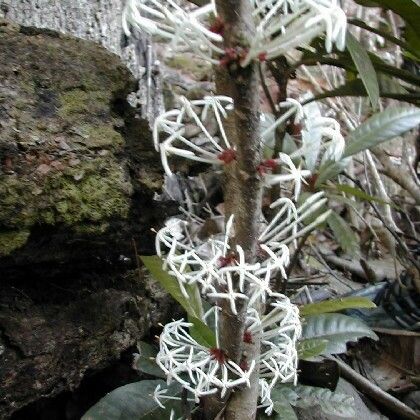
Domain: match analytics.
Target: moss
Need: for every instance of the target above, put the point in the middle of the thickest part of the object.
(104, 136)
(103, 193)
(77, 102)
(91, 229)
(9, 241)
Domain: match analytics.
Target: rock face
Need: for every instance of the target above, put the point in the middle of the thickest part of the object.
(71, 149)
(77, 177)
(98, 21)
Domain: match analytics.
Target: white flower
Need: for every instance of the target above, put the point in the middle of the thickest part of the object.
(283, 25)
(200, 370)
(278, 231)
(296, 174)
(319, 133)
(279, 331)
(184, 29)
(206, 148)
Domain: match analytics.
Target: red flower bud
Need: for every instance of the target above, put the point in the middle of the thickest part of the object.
(219, 355)
(248, 337)
(227, 156)
(262, 56)
(218, 26)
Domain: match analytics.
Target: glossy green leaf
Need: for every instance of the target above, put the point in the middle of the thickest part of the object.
(332, 403)
(146, 360)
(192, 305)
(343, 233)
(283, 408)
(365, 68)
(337, 329)
(134, 402)
(311, 347)
(302, 396)
(336, 305)
(202, 333)
(383, 126)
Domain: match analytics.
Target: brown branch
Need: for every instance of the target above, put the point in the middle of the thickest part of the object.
(400, 177)
(376, 393)
(243, 194)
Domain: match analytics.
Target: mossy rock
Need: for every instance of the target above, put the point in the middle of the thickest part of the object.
(65, 145)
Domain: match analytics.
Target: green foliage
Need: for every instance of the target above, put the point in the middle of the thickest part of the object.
(311, 347)
(381, 127)
(336, 305)
(337, 329)
(283, 408)
(302, 396)
(146, 361)
(365, 68)
(344, 234)
(134, 402)
(358, 193)
(388, 88)
(409, 10)
(192, 305)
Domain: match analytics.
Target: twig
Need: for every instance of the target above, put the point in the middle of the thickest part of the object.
(374, 392)
(267, 91)
(324, 263)
(402, 178)
(353, 267)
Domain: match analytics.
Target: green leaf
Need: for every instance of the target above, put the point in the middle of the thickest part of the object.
(134, 401)
(283, 408)
(348, 240)
(311, 347)
(192, 305)
(357, 192)
(337, 329)
(383, 126)
(365, 68)
(329, 170)
(202, 333)
(146, 361)
(333, 403)
(386, 35)
(388, 88)
(336, 305)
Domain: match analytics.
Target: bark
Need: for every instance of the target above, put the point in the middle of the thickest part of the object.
(243, 191)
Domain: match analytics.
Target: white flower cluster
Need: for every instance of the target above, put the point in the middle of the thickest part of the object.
(166, 19)
(204, 371)
(281, 26)
(195, 131)
(318, 133)
(221, 271)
